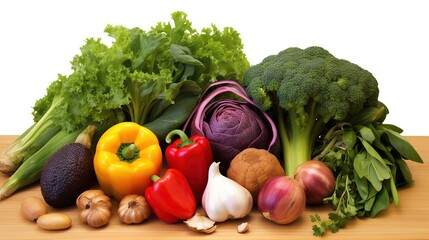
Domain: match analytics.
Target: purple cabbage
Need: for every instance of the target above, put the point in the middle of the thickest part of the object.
(231, 125)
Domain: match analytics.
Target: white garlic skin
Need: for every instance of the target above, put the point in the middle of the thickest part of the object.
(225, 199)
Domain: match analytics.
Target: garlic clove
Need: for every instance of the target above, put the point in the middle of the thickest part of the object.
(201, 223)
(243, 227)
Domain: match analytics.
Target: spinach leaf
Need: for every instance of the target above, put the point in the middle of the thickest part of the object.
(173, 116)
(381, 202)
(403, 146)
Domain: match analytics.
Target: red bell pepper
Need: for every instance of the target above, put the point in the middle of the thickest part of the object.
(171, 197)
(191, 156)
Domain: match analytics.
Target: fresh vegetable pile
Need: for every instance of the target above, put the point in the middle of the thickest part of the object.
(153, 78)
(300, 128)
(328, 109)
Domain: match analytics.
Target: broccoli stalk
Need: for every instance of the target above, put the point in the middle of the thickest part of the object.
(306, 89)
(298, 138)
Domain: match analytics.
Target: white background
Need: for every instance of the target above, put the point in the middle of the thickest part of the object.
(38, 39)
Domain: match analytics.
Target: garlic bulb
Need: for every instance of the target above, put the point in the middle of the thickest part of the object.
(97, 211)
(133, 208)
(225, 199)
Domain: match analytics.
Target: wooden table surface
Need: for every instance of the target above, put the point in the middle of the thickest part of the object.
(410, 220)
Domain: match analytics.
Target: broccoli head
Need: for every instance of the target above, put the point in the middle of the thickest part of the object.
(305, 89)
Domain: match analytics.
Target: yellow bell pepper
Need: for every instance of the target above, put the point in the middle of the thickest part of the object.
(126, 157)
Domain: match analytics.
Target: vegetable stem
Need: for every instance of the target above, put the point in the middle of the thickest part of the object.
(185, 141)
(328, 147)
(296, 142)
(296, 153)
(154, 178)
(43, 122)
(85, 137)
(128, 152)
(30, 141)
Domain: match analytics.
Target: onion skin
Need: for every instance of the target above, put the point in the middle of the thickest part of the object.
(281, 199)
(317, 180)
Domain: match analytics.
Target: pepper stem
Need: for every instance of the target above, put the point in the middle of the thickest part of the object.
(129, 151)
(185, 141)
(154, 178)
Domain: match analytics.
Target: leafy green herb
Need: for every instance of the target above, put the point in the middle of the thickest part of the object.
(345, 209)
(368, 161)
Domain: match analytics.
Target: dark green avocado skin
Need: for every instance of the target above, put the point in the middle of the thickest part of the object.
(66, 174)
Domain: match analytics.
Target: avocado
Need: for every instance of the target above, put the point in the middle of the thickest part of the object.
(66, 174)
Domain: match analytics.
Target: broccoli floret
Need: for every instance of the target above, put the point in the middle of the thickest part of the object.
(306, 89)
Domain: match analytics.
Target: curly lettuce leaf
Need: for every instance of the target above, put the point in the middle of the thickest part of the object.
(142, 76)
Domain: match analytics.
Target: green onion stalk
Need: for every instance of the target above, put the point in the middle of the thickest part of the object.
(29, 142)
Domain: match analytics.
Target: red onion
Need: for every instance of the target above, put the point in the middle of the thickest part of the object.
(317, 180)
(281, 199)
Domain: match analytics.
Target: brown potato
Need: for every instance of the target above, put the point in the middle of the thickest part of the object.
(252, 167)
(32, 208)
(54, 221)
